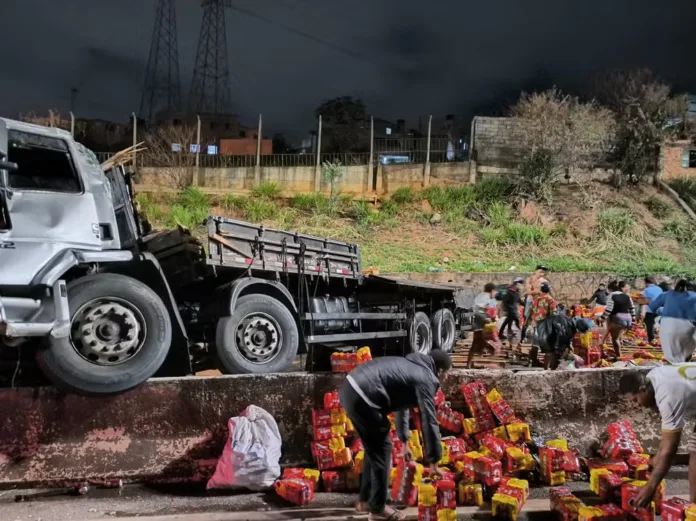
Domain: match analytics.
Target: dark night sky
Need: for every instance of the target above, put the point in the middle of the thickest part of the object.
(405, 58)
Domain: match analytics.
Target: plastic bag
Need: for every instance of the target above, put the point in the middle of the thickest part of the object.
(251, 456)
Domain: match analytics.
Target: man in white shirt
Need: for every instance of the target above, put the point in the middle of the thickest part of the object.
(670, 389)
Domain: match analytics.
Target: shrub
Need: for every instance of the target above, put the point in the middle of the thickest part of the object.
(526, 234)
(498, 215)
(492, 236)
(186, 216)
(233, 202)
(192, 197)
(306, 202)
(267, 190)
(404, 195)
(658, 208)
(616, 222)
(681, 230)
(390, 208)
(260, 210)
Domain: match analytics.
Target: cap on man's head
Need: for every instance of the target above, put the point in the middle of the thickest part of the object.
(541, 267)
(518, 280)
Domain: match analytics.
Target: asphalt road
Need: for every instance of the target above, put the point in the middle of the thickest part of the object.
(185, 503)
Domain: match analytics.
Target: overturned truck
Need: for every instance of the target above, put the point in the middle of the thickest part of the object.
(103, 303)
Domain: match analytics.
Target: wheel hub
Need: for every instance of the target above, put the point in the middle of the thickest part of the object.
(107, 331)
(259, 338)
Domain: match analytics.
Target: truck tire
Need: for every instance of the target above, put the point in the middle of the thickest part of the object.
(120, 335)
(420, 334)
(260, 337)
(444, 330)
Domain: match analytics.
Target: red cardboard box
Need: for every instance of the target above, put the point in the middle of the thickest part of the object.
(674, 509)
(488, 471)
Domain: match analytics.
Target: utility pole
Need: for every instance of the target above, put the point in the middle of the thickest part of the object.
(317, 168)
(370, 168)
(135, 143)
(72, 124)
(257, 168)
(426, 171)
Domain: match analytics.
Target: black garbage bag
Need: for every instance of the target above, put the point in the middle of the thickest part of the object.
(555, 333)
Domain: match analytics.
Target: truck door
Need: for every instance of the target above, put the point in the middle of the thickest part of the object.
(49, 206)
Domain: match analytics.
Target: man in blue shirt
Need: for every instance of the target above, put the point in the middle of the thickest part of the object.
(651, 292)
(677, 330)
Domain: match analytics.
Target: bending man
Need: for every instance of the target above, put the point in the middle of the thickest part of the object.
(385, 385)
(670, 389)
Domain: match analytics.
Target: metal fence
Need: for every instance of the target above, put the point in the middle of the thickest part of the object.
(385, 151)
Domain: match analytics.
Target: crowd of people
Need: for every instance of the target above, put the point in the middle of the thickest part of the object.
(547, 326)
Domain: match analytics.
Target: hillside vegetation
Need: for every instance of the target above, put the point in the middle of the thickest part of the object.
(482, 227)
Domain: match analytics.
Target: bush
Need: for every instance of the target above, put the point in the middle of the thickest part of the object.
(493, 189)
(260, 210)
(309, 202)
(492, 236)
(233, 202)
(267, 191)
(681, 230)
(658, 208)
(526, 234)
(186, 216)
(404, 195)
(193, 198)
(390, 208)
(686, 188)
(538, 176)
(616, 223)
(498, 215)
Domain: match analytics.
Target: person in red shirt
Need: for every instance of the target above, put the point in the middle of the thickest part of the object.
(543, 304)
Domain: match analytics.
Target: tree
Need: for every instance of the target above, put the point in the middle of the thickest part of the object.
(344, 125)
(559, 135)
(169, 149)
(647, 116)
(280, 144)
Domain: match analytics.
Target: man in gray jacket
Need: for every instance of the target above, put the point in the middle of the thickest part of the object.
(382, 386)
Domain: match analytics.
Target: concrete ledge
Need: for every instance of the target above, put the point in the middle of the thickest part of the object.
(173, 429)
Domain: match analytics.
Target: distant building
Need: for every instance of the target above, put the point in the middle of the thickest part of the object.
(245, 146)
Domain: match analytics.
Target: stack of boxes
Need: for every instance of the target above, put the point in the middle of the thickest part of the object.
(346, 362)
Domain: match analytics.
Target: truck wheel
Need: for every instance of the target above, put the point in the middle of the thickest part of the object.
(260, 337)
(421, 336)
(120, 335)
(444, 330)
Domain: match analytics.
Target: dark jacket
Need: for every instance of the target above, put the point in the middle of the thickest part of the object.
(396, 384)
(556, 332)
(511, 301)
(600, 296)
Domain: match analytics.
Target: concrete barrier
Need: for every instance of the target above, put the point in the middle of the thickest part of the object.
(173, 429)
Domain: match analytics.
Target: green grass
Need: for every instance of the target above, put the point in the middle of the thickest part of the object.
(257, 210)
(267, 190)
(615, 222)
(404, 195)
(659, 208)
(686, 188)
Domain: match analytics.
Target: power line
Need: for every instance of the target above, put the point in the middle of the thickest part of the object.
(337, 48)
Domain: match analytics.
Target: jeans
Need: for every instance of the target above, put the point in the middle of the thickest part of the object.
(373, 429)
(650, 325)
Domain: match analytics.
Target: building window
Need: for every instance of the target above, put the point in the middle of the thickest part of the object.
(44, 164)
(688, 158)
(388, 131)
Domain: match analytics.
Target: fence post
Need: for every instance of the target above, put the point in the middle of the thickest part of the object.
(472, 156)
(72, 124)
(370, 169)
(426, 170)
(135, 143)
(200, 175)
(257, 167)
(317, 168)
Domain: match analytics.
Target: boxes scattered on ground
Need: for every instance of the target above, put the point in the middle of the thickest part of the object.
(493, 457)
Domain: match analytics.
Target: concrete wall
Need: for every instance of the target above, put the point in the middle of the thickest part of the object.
(297, 179)
(568, 288)
(174, 429)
